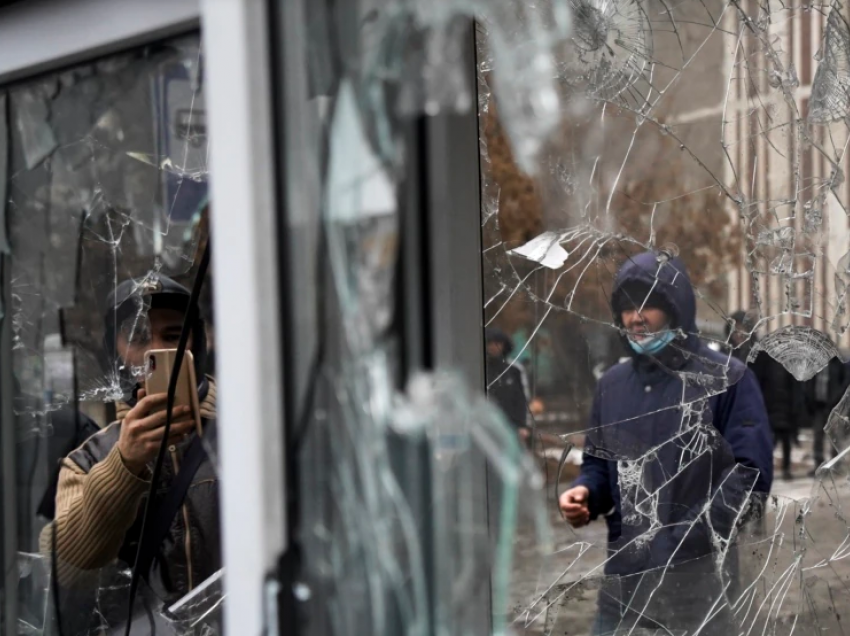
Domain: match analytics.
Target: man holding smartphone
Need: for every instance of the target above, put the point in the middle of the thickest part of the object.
(103, 483)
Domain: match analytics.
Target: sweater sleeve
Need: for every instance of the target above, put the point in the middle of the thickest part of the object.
(94, 510)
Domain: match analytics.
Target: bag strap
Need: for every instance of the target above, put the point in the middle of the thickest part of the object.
(166, 509)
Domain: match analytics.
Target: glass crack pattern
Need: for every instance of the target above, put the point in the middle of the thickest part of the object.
(104, 170)
(701, 142)
(714, 135)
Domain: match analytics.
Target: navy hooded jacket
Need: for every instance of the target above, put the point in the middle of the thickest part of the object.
(676, 442)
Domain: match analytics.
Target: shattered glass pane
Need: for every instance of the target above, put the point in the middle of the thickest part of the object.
(710, 138)
(832, 79)
(397, 466)
(413, 63)
(103, 177)
(362, 225)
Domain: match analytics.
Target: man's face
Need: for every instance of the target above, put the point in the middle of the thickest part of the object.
(648, 320)
(161, 330)
(495, 349)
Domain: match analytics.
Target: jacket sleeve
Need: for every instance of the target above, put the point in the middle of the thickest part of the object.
(595, 471)
(742, 420)
(94, 510)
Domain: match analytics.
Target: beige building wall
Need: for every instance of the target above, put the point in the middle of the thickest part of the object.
(763, 143)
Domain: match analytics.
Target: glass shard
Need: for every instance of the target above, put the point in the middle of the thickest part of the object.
(32, 121)
(830, 100)
(801, 350)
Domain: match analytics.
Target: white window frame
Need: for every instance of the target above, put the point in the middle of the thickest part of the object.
(41, 35)
(38, 36)
(248, 321)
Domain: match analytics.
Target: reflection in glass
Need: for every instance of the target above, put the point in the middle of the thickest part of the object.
(106, 206)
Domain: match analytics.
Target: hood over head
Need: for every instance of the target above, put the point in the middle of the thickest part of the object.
(134, 296)
(665, 279)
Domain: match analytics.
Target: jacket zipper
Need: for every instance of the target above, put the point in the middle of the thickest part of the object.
(187, 544)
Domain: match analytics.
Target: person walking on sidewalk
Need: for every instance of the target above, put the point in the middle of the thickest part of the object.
(678, 441)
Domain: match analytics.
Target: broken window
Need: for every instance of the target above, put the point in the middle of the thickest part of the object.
(662, 216)
(664, 227)
(684, 220)
(106, 213)
(397, 458)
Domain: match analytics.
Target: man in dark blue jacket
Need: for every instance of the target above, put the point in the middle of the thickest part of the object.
(678, 445)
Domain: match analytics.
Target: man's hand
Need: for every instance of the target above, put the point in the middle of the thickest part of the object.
(573, 505)
(141, 431)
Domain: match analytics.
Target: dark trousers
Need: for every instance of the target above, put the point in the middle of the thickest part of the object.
(818, 423)
(721, 623)
(785, 438)
(667, 601)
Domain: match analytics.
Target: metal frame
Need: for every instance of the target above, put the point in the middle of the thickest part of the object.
(454, 261)
(8, 464)
(41, 35)
(245, 270)
(442, 318)
(454, 212)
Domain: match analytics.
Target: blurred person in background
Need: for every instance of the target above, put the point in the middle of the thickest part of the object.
(537, 358)
(669, 463)
(741, 335)
(504, 380)
(784, 396)
(825, 390)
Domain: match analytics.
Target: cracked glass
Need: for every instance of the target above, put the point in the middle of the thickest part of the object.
(665, 302)
(395, 465)
(104, 191)
(664, 307)
(666, 274)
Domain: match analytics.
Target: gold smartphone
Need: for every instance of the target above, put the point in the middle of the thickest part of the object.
(158, 366)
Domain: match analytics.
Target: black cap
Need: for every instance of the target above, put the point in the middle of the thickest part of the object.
(154, 291)
(636, 294)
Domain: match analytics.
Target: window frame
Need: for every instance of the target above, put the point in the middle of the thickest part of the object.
(40, 36)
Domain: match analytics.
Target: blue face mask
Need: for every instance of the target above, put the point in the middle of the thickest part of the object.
(654, 343)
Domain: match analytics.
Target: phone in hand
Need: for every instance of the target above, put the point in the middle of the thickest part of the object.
(159, 364)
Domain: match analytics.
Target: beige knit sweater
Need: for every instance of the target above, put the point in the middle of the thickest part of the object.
(94, 510)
